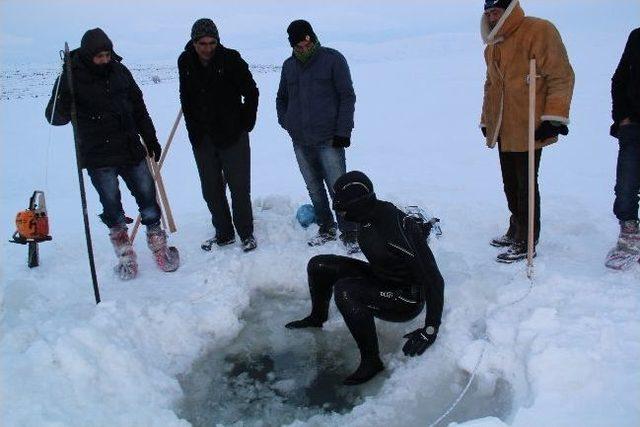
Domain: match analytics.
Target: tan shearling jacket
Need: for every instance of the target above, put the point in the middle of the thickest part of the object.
(510, 45)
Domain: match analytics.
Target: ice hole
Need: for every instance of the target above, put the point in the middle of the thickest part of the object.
(272, 376)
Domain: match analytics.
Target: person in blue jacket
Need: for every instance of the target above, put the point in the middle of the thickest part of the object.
(315, 105)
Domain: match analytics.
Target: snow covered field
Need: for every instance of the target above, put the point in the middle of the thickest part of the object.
(206, 345)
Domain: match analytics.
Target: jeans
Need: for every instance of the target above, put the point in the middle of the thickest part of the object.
(515, 178)
(322, 165)
(139, 181)
(230, 165)
(627, 186)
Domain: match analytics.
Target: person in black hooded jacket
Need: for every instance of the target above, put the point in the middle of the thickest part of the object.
(625, 111)
(400, 277)
(220, 101)
(112, 117)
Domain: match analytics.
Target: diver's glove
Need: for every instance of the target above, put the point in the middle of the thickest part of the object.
(419, 340)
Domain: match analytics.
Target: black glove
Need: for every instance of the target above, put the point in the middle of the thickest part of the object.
(341, 141)
(547, 129)
(419, 340)
(484, 131)
(154, 150)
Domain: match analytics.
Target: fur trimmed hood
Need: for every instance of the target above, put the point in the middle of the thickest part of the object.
(509, 21)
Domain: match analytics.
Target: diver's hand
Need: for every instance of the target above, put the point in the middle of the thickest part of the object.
(419, 340)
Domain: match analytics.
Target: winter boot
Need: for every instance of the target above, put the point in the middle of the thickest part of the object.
(508, 238)
(207, 245)
(627, 249)
(323, 236)
(516, 252)
(369, 368)
(350, 241)
(127, 267)
(167, 257)
(249, 244)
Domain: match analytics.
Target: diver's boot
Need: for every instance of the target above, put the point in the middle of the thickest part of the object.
(369, 368)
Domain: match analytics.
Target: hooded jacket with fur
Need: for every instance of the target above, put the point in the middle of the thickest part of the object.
(515, 40)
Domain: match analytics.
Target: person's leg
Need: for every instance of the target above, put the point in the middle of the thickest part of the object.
(105, 181)
(522, 172)
(510, 187)
(141, 185)
(625, 206)
(323, 272)
(213, 188)
(236, 164)
(333, 163)
(359, 300)
(311, 170)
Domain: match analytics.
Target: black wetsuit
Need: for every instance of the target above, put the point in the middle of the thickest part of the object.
(399, 278)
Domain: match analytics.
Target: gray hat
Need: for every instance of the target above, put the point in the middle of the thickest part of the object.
(204, 27)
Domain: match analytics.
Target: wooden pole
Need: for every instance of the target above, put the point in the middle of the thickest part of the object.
(532, 166)
(134, 231)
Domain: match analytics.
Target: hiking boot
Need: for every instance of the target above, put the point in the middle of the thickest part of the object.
(127, 267)
(502, 241)
(208, 244)
(350, 241)
(249, 244)
(166, 257)
(515, 253)
(323, 237)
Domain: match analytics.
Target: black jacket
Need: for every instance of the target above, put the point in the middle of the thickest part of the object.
(396, 248)
(212, 96)
(111, 112)
(625, 84)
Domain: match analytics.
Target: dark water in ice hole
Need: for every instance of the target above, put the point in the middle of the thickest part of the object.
(270, 376)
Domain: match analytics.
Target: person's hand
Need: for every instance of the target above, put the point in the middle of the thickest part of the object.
(153, 150)
(341, 141)
(419, 341)
(549, 129)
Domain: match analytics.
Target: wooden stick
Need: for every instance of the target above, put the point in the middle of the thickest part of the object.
(160, 163)
(163, 195)
(532, 167)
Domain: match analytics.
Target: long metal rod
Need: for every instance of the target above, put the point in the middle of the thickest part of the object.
(83, 196)
(532, 167)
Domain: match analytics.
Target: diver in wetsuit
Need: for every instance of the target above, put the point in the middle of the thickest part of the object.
(394, 285)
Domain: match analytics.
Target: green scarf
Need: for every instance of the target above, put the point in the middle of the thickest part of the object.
(304, 57)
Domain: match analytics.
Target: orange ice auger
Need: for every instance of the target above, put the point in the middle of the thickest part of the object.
(32, 227)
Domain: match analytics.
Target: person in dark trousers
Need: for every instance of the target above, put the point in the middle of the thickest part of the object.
(513, 39)
(394, 285)
(625, 94)
(112, 117)
(220, 102)
(315, 105)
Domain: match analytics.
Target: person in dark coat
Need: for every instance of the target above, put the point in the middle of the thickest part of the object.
(112, 117)
(625, 94)
(400, 277)
(220, 101)
(315, 105)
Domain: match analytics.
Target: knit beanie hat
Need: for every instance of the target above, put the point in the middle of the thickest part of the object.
(353, 194)
(204, 27)
(490, 4)
(95, 41)
(298, 30)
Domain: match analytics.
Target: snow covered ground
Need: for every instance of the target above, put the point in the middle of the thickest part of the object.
(205, 345)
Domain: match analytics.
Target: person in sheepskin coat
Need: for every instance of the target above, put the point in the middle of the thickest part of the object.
(513, 39)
